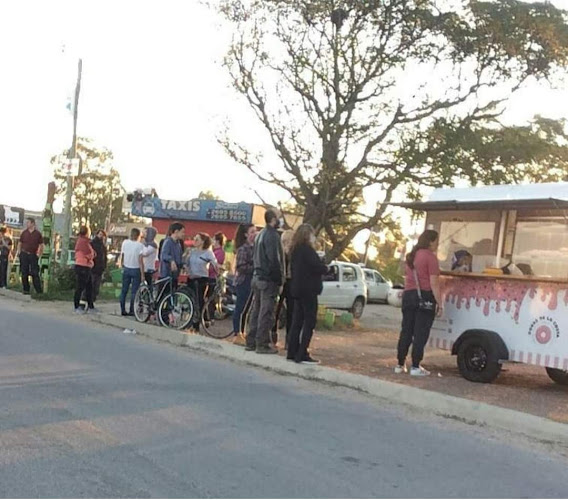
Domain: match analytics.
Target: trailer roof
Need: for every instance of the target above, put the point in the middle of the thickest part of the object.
(538, 196)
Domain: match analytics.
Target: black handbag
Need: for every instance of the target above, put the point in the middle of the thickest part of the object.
(423, 304)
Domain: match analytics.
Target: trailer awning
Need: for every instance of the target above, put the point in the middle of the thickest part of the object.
(430, 206)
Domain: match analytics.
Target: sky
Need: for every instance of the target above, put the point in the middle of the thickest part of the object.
(153, 91)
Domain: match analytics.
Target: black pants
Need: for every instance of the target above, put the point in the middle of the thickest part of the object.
(416, 325)
(200, 286)
(303, 324)
(149, 277)
(3, 272)
(84, 284)
(97, 280)
(287, 300)
(29, 264)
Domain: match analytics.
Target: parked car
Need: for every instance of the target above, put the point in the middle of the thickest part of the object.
(395, 296)
(377, 286)
(344, 288)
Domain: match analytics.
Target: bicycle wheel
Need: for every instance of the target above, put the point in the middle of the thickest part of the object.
(143, 304)
(217, 325)
(176, 310)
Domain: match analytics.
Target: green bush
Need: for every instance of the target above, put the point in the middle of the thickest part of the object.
(62, 278)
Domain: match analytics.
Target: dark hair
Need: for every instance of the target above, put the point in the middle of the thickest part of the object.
(102, 231)
(30, 219)
(220, 238)
(206, 240)
(241, 235)
(269, 216)
(302, 236)
(426, 239)
(176, 226)
(84, 230)
(135, 233)
(3, 230)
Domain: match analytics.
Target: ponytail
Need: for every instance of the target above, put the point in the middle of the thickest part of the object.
(424, 242)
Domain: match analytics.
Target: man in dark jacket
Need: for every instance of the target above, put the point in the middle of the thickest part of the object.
(268, 278)
(100, 262)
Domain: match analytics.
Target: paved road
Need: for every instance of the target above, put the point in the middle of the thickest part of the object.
(91, 412)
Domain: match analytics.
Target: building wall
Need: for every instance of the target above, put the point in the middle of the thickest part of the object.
(194, 227)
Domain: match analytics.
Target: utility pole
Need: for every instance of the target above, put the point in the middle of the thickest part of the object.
(65, 237)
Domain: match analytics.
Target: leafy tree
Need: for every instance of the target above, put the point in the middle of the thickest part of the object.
(97, 191)
(390, 96)
(207, 195)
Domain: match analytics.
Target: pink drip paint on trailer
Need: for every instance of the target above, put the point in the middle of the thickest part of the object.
(485, 292)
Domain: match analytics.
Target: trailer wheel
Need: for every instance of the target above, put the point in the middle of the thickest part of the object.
(559, 376)
(478, 359)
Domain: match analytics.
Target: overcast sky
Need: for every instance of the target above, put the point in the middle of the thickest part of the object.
(153, 92)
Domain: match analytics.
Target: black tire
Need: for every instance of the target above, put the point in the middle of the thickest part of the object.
(216, 327)
(559, 376)
(478, 359)
(143, 304)
(358, 307)
(176, 311)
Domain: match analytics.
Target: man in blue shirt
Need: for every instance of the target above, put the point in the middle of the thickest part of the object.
(171, 254)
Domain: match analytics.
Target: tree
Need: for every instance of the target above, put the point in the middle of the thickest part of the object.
(389, 96)
(97, 191)
(207, 195)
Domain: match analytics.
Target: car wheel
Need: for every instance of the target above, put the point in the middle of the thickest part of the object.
(559, 376)
(358, 307)
(478, 359)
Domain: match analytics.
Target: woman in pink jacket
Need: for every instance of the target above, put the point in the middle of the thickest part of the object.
(84, 262)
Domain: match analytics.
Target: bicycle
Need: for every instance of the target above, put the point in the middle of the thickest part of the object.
(175, 308)
(215, 311)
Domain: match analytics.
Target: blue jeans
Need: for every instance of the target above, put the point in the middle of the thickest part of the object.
(243, 292)
(129, 277)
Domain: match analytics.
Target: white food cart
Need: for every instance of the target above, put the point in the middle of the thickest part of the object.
(513, 305)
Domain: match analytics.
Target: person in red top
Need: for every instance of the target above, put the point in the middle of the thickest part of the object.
(84, 262)
(421, 279)
(30, 247)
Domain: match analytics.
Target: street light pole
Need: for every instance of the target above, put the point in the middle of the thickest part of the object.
(65, 237)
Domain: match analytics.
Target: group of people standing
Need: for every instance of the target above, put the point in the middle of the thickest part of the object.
(90, 264)
(141, 259)
(29, 250)
(270, 266)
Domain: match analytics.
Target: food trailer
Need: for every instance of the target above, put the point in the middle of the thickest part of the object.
(512, 304)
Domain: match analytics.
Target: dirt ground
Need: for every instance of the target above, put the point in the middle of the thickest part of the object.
(519, 387)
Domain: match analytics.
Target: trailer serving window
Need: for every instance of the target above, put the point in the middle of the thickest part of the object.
(474, 231)
(541, 243)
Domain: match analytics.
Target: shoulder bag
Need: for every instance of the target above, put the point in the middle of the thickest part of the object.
(423, 304)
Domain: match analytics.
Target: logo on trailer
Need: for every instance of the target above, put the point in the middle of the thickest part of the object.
(544, 330)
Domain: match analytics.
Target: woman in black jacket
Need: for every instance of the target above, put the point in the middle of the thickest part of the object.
(307, 271)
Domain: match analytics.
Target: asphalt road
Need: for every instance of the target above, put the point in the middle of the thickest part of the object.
(93, 412)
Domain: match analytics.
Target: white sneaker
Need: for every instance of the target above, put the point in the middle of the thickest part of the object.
(400, 369)
(419, 372)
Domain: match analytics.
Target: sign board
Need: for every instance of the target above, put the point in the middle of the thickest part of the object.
(11, 216)
(202, 210)
(122, 229)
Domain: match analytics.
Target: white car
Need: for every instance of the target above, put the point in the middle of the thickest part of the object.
(377, 286)
(395, 296)
(344, 287)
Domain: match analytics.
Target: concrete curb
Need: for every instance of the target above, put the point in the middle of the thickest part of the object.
(460, 409)
(11, 294)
